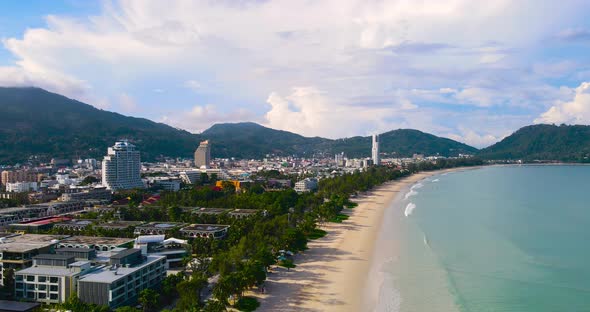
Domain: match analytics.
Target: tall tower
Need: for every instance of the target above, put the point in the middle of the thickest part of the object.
(121, 167)
(375, 150)
(203, 155)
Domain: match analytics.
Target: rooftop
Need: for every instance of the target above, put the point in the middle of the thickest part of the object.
(91, 240)
(47, 270)
(205, 227)
(17, 306)
(213, 211)
(107, 275)
(124, 253)
(165, 225)
(52, 256)
(120, 224)
(70, 249)
(28, 242)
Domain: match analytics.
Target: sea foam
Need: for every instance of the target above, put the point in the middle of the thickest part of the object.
(409, 208)
(435, 180)
(410, 194)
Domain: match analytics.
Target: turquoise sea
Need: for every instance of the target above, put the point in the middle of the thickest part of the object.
(510, 238)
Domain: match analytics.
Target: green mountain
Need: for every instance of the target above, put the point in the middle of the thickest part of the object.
(34, 122)
(543, 142)
(251, 140)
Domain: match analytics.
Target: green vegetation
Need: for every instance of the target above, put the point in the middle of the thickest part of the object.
(247, 304)
(317, 233)
(339, 218)
(543, 142)
(34, 122)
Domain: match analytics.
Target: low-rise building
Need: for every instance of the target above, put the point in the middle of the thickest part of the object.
(120, 284)
(22, 187)
(97, 243)
(157, 245)
(17, 251)
(158, 228)
(205, 231)
(99, 194)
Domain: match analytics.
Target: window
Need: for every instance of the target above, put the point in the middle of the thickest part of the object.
(53, 279)
(30, 278)
(19, 285)
(30, 295)
(53, 288)
(42, 279)
(19, 278)
(42, 287)
(53, 296)
(42, 295)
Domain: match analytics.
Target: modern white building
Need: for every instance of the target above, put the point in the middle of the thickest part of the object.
(375, 150)
(20, 187)
(121, 168)
(306, 185)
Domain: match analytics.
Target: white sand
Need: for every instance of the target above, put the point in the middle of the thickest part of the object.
(332, 274)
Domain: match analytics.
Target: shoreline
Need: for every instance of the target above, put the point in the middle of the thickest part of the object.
(333, 274)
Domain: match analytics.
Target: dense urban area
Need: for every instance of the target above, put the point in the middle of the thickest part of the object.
(119, 234)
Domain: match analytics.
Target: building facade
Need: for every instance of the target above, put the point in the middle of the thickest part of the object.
(375, 150)
(203, 155)
(306, 185)
(121, 168)
(18, 176)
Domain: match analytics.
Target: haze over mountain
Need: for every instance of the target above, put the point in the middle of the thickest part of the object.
(36, 122)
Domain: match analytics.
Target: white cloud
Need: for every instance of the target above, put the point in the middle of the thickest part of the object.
(405, 55)
(193, 85)
(201, 117)
(576, 110)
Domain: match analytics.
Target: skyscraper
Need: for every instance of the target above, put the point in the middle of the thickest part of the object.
(203, 155)
(375, 150)
(121, 167)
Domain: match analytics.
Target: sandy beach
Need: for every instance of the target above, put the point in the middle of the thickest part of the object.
(332, 274)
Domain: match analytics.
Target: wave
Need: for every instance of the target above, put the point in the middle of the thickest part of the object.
(435, 180)
(409, 208)
(416, 186)
(410, 194)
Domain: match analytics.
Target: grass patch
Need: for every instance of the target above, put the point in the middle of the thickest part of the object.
(247, 304)
(317, 233)
(339, 218)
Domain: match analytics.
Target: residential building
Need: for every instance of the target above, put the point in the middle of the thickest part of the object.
(203, 155)
(96, 243)
(18, 176)
(165, 183)
(17, 251)
(98, 193)
(120, 283)
(306, 185)
(375, 150)
(21, 187)
(51, 279)
(121, 168)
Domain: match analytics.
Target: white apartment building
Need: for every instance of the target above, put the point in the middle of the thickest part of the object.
(306, 185)
(121, 168)
(375, 150)
(20, 187)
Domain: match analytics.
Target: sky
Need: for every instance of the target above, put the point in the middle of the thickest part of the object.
(473, 71)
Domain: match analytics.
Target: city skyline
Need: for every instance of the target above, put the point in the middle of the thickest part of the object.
(471, 72)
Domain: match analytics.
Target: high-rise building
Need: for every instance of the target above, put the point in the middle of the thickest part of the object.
(203, 155)
(121, 167)
(18, 176)
(375, 150)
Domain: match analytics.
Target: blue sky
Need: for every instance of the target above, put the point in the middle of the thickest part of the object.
(473, 71)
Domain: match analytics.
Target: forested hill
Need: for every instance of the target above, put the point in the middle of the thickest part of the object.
(248, 140)
(543, 142)
(37, 122)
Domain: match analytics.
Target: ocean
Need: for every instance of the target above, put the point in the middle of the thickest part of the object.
(502, 238)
